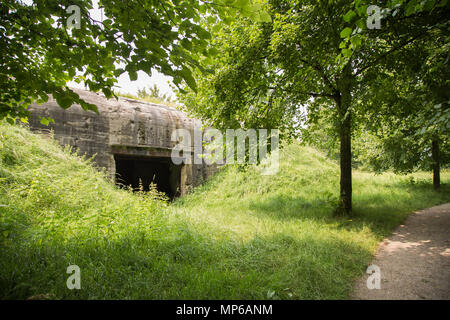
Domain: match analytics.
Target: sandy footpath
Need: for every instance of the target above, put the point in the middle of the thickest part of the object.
(415, 261)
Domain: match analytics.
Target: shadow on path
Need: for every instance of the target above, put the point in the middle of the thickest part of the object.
(415, 261)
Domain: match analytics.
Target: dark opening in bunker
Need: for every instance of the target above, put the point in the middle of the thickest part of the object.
(133, 171)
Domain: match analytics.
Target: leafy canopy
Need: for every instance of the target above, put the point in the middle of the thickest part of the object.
(289, 70)
(39, 53)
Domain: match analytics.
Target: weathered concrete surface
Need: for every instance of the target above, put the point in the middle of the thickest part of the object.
(123, 127)
(415, 260)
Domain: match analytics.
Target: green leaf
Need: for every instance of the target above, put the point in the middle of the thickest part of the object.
(88, 106)
(346, 32)
(187, 76)
(356, 41)
(362, 10)
(133, 75)
(213, 51)
(349, 16)
(46, 121)
(361, 23)
(263, 16)
(64, 101)
(107, 92)
(347, 52)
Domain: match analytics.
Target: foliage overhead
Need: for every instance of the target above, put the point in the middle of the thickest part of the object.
(267, 73)
(40, 53)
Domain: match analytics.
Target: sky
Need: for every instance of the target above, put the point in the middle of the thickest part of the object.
(124, 84)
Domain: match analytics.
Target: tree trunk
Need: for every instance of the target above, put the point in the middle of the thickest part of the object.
(346, 163)
(436, 164)
(343, 101)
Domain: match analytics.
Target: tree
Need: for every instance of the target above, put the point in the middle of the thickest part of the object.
(154, 93)
(400, 129)
(437, 122)
(408, 123)
(40, 52)
(407, 104)
(268, 73)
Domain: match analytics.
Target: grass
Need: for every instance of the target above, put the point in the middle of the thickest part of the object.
(239, 236)
(156, 100)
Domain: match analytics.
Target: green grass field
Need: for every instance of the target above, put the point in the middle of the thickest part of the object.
(239, 236)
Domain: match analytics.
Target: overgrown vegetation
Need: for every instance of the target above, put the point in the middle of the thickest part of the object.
(153, 96)
(241, 235)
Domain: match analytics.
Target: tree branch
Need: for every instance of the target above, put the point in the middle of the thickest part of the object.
(384, 55)
(322, 74)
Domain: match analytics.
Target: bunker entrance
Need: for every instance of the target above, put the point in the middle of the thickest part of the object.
(141, 171)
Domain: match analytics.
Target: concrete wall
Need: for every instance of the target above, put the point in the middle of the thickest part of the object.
(122, 127)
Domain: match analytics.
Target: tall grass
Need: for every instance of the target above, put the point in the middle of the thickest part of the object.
(156, 100)
(239, 236)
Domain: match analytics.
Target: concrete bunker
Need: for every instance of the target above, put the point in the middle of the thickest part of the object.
(131, 139)
(140, 172)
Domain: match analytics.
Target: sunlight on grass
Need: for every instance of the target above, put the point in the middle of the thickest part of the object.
(239, 236)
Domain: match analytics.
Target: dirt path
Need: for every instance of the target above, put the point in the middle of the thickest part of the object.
(415, 261)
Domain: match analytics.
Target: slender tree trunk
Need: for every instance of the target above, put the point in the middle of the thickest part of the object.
(345, 157)
(436, 163)
(344, 102)
(346, 163)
